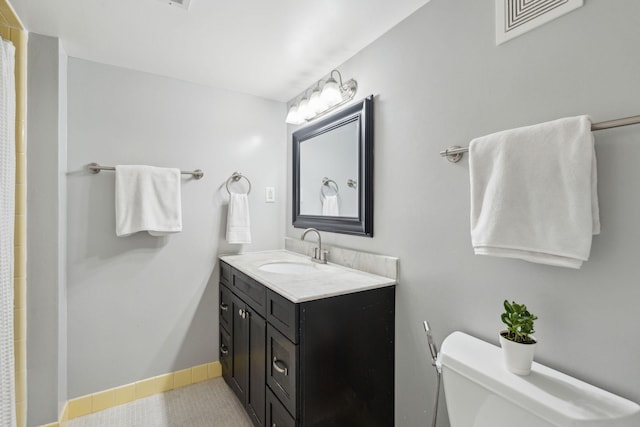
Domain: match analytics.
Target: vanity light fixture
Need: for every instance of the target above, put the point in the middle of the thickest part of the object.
(321, 101)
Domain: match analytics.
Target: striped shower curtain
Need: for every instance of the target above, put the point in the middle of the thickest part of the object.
(7, 212)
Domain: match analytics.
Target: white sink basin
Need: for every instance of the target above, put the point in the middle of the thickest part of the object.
(288, 267)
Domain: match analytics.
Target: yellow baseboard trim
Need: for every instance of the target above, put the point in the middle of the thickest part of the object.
(64, 416)
(85, 405)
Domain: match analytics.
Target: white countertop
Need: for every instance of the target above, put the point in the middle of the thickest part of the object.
(324, 280)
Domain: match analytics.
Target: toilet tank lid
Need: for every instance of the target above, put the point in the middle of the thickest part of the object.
(558, 398)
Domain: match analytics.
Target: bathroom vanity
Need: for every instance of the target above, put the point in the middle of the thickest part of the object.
(303, 344)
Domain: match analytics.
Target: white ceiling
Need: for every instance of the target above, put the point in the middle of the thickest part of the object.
(269, 48)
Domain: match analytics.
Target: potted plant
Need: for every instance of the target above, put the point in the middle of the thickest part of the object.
(518, 345)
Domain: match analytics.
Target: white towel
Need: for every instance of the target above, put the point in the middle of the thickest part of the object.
(533, 193)
(147, 198)
(330, 205)
(238, 223)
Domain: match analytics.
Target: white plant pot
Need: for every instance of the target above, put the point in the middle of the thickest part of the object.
(518, 357)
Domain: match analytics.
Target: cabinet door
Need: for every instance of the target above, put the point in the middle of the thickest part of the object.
(240, 343)
(257, 368)
(248, 369)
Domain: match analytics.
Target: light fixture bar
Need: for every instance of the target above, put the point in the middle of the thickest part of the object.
(349, 90)
(322, 100)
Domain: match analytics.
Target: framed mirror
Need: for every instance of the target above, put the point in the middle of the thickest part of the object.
(333, 172)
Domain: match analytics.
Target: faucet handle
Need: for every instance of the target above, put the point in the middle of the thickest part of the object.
(319, 256)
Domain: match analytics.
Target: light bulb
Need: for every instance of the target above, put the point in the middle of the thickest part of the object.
(293, 117)
(303, 109)
(316, 103)
(331, 94)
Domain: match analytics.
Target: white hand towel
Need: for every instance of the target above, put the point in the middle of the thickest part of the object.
(330, 205)
(238, 223)
(533, 193)
(147, 199)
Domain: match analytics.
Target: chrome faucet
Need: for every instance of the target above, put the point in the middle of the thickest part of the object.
(319, 255)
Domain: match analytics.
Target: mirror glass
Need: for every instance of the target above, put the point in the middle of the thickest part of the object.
(329, 173)
(332, 188)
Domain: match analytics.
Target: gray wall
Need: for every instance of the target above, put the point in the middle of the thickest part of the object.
(62, 229)
(439, 81)
(46, 233)
(140, 306)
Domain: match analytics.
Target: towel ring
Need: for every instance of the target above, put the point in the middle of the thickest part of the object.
(326, 182)
(235, 177)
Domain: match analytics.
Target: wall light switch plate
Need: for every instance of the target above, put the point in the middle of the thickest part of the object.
(270, 194)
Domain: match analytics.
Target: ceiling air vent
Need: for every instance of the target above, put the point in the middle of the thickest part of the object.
(180, 3)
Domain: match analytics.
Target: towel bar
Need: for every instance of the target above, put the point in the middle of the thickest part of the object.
(96, 168)
(454, 154)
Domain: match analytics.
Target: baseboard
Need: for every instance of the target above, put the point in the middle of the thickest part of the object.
(85, 405)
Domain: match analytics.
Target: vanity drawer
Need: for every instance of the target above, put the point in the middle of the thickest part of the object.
(277, 415)
(283, 314)
(225, 273)
(224, 308)
(251, 291)
(226, 354)
(282, 360)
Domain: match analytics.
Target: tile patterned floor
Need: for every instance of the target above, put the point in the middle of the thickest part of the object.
(206, 404)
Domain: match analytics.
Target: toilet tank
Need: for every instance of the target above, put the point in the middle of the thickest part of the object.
(480, 392)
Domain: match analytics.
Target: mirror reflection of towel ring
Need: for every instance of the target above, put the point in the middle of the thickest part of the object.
(330, 184)
(235, 177)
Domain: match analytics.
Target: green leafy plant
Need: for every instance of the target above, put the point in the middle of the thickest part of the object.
(519, 323)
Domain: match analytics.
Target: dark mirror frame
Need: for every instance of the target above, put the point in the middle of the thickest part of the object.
(362, 113)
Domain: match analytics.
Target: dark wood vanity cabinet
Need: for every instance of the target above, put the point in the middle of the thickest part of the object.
(326, 362)
(242, 347)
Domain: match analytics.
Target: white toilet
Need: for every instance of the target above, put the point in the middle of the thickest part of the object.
(480, 392)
